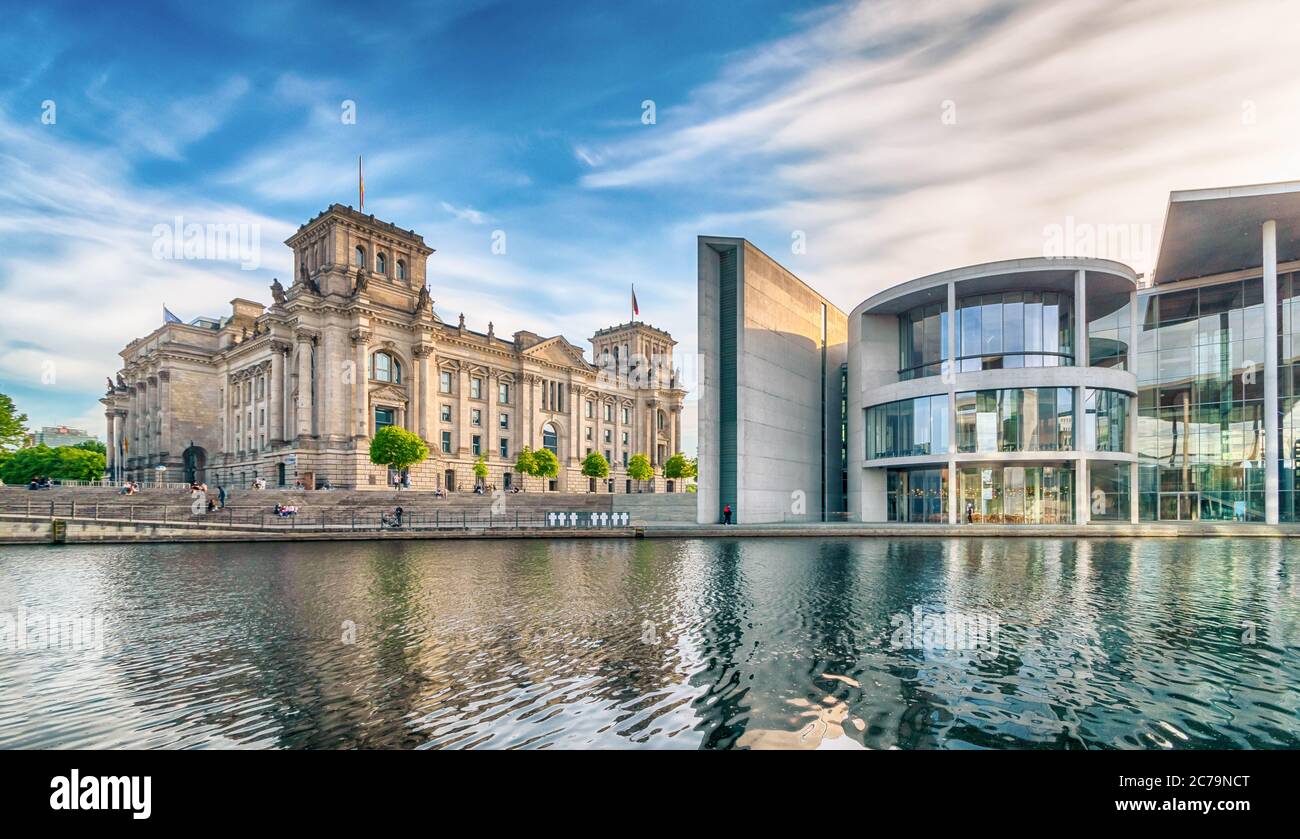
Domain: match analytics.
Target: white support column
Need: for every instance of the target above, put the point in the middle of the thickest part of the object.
(1270, 374)
(1082, 487)
(1131, 437)
(950, 379)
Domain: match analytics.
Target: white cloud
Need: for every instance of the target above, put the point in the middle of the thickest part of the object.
(1090, 109)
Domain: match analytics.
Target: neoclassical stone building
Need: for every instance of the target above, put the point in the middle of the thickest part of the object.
(294, 392)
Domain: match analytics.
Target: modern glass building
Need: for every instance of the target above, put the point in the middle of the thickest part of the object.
(1039, 391)
(997, 393)
(1062, 390)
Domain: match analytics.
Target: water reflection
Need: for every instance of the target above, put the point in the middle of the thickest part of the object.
(683, 644)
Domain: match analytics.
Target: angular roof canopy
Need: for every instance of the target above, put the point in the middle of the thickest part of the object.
(1216, 231)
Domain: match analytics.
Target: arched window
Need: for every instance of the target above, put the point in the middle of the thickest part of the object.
(359, 257)
(381, 264)
(550, 440)
(385, 368)
(401, 270)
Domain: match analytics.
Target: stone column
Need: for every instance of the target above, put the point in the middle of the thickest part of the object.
(110, 435)
(165, 413)
(420, 388)
(528, 400)
(119, 467)
(142, 420)
(1271, 514)
(360, 384)
(304, 405)
(275, 395)
(463, 428)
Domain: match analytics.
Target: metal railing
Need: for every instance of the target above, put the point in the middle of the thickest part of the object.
(318, 520)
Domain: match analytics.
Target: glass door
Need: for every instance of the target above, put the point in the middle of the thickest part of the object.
(1180, 506)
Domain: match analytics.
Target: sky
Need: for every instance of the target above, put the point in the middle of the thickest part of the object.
(861, 144)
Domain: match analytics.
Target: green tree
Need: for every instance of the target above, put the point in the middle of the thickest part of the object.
(545, 464)
(595, 465)
(481, 469)
(676, 466)
(639, 469)
(524, 464)
(13, 425)
(397, 448)
(65, 463)
(93, 446)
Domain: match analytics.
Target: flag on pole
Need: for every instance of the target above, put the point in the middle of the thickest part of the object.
(361, 180)
(635, 310)
(168, 317)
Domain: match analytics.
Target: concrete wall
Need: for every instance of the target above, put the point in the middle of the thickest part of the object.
(783, 404)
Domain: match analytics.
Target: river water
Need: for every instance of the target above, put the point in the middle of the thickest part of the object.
(730, 643)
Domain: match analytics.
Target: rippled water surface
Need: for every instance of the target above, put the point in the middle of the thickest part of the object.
(801, 643)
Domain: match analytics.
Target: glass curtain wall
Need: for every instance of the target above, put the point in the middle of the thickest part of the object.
(1015, 329)
(1200, 371)
(1014, 494)
(922, 341)
(917, 495)
(908, 428)
(1288, 394)
(1015, 420)
(1108, 496)
(1105, 420)
(1108, 339)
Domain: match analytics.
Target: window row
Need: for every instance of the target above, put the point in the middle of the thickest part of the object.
(381, 262)
(1015, 329)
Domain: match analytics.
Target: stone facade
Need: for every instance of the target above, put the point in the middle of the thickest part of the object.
(294, 392)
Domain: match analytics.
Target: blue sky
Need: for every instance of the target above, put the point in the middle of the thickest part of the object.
(773, 119)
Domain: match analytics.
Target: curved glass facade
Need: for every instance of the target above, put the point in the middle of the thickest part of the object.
(917, 495)
(1013, 494)
(922, 341)
(1015, 329)
(1016, 420)
(908, 428)
(1105, 420)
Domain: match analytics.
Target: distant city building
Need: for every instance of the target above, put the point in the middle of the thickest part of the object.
(295, 391)
(1052, 389)
(58, 435)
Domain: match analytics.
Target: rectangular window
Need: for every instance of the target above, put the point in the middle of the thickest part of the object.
(505, 447)
(588, 435)
(609, 436)
(625, 438)
(446, 442)
(446, 413)
(591, 409)
(505, 420)
(476, 388)
(626, 416)
(476, 445)
(503, 393)
(444, 381)
(383, 417)
(475, 416)
(609, 413)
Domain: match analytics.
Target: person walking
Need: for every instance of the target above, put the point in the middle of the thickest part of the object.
(221, 497)
(726, 514)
